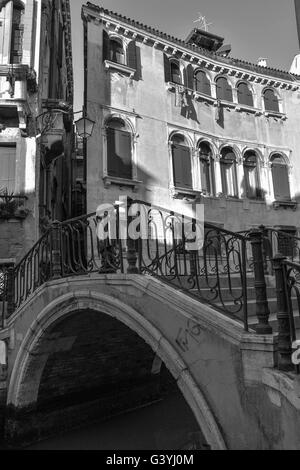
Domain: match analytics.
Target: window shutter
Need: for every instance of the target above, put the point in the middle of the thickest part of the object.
(221, 88)
(167, 67)
(7, 168)
(190, 76)
(228, 91)
(281, 182)
(105, 46)
(271, 101)
(182, 167)
(131, 55)
(249, 97)
(60, 45)
(119, 153)
(202, 83)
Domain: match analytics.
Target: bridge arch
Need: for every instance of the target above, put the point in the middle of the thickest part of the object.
(70, 303)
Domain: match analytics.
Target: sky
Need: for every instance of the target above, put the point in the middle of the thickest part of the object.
(254, 28)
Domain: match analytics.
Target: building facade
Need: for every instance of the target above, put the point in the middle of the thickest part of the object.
(181, 122)
(35, 81)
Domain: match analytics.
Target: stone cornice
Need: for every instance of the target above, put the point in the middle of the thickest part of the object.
(235, 67)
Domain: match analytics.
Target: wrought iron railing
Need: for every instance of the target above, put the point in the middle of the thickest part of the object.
(207, 262)
(279, 241)
(288, 307)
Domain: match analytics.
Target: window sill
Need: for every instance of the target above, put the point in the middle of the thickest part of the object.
(184, 193)
(202, 97)
(273, 114)
(171, 86)
(109, 180)
(248, 109)
(120, 68)
(285, 205)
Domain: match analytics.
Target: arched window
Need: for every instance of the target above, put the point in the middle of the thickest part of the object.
(224, 90)
(16, 48)
(251, 175)
(228, 172)
(244, 94)
(280, 176)
(181, 157)
(202, 83)
(119, 149)
(116, 51)
(271, 101)
(175, 72)
(206, 168)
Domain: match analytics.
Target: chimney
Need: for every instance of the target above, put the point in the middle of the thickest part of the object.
(297, 9)
(262, 61)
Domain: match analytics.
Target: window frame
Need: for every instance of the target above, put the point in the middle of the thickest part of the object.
(278, 100)
(187, 148)
(258, 196)
(284, 165)
(250, 93)
(224, 180)
(211, 169)
(224, 97)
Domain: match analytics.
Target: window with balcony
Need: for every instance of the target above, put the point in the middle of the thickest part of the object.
(182, 167)
(119, 56)
(228, 172)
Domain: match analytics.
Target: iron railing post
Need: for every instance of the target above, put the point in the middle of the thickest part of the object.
(131, 243)
(284, 332)
(56, 251)
(263, 230)
(10, 289)
(262, 308)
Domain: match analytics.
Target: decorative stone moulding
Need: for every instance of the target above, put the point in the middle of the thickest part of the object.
(188, 55)
(185, 194)
(120, 67)
(285, 205)
(111, 180)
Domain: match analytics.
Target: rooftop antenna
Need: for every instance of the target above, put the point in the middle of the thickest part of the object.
(203, 24)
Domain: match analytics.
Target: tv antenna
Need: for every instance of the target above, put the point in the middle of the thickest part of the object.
(203, 24)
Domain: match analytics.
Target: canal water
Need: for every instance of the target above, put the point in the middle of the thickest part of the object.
(164, 425)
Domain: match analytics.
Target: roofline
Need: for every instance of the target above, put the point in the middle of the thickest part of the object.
(96, 11)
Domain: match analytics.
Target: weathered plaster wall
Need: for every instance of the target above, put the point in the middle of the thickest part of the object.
(151, 109)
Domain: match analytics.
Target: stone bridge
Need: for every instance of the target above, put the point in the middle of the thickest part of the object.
(100, 328)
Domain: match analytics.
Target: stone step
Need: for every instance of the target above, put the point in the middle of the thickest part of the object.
(274, 323)
(225, 281)
(229, 294)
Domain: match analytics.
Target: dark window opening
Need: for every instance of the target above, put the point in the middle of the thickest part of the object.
(202, 83)
(271, 101)
(280, 176)
(251, 175)
(206, 169)
(119, 151)
(228, 172)
(182, 168)
(116, 51)
(224, 90)
(175, 73)
(244, 95)
(16, 47)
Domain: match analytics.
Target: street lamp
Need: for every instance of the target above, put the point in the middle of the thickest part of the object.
(84, 125)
